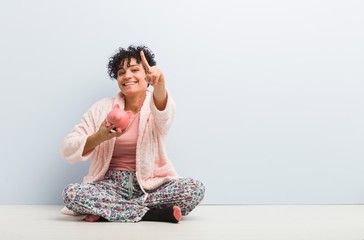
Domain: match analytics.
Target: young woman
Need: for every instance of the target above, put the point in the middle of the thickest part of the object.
(131, 177)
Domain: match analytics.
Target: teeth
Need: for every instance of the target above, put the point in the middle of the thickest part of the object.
(129, 83)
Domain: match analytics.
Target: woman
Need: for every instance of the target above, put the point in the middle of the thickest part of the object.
(130, 177)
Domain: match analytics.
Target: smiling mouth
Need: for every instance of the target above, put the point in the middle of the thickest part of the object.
(129, 83)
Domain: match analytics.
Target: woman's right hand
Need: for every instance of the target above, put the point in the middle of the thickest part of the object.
(104, 133)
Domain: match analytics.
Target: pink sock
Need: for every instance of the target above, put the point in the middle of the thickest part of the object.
(177, 213)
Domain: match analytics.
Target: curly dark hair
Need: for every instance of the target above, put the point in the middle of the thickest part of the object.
(131, 52)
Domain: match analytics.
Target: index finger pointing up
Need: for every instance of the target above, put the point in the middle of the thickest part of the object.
(144, 61)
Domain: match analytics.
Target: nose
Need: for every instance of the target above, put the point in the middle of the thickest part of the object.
(128, 74)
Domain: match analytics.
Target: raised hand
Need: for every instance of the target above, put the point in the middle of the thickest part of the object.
(155, 76)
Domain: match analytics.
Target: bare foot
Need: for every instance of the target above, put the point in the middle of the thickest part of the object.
(92, 218)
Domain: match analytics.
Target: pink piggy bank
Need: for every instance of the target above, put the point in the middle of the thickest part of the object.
(119, 118)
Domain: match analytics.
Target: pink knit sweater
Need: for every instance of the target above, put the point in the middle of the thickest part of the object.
(153, 168)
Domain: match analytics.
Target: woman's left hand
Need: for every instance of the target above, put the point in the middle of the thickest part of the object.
(155, 76)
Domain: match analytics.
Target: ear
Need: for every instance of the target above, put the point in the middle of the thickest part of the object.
(116, 106)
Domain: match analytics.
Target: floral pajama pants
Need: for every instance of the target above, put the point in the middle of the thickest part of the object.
(118, 197)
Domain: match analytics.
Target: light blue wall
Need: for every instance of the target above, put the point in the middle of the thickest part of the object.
(270, 94)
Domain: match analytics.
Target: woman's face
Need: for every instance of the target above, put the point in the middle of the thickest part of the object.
(131, 78)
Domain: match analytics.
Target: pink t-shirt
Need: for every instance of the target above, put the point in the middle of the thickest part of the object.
(124, 155)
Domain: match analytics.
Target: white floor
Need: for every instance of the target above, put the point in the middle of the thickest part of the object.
(223, 222)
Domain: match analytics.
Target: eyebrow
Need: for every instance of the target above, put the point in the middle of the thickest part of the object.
(129, 66)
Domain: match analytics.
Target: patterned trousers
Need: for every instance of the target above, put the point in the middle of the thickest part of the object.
(118, 197)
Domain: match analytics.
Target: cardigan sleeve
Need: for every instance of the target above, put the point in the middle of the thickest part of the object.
(163, 119)
(74, 143)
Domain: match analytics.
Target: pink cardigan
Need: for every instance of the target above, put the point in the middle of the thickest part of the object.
(153, 168)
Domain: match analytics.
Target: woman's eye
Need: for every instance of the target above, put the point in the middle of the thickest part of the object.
(120, 73)
(135, 70)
